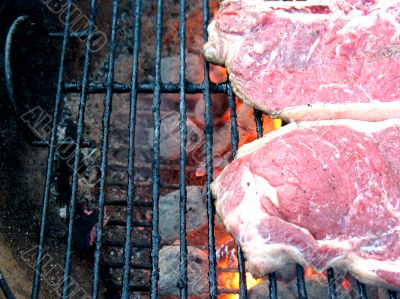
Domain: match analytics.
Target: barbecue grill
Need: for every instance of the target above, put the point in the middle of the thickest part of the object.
(134, 88)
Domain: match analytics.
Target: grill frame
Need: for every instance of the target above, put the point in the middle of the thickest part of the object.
(157, 88)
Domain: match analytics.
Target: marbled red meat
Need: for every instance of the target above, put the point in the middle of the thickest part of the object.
(322, 194)
(310, 60)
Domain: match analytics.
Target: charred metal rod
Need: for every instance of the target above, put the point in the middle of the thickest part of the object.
(191, 88)
(301, 284)
(5, 288)
(51, 154)
(155, 237)
(331, 283)
(77, 150)
(104, 147)
(208, 132)
(362, 290)
(131, 151)
(183, 258)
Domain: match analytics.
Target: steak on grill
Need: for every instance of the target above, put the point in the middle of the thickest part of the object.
(311, 60)
(322, 194)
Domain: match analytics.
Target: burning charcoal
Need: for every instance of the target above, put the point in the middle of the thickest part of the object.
(170, 69)
(170, 136)
(219, 108)
(218, 73)
(261, 291)
(222, 140)
(169, 271)
(169, 213)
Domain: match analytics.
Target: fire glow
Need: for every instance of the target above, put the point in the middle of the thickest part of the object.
(228, 276)
(232, 281)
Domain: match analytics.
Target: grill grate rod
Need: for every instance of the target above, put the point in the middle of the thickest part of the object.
(183, 276)
(79, 139)
(131, 152)
(147, 87)
(104, 147)
(155, 238)
(301, 285)
(272, 287)
(208, 131)
(4, 287)
(235, 141)
(50, 157)
(362, 290)
(331, 283)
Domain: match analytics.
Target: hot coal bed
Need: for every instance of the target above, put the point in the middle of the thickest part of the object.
(138, 127)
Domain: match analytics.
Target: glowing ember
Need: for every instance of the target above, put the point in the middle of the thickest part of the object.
(218, 73)
(200, 171)
(309, 271)
(346, 284)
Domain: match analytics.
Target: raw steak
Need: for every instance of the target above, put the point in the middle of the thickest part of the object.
(311, 60)
(322, 194)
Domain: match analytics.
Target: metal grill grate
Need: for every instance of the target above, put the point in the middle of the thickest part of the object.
(157, 88)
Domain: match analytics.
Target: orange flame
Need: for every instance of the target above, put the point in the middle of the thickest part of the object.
(230, 280)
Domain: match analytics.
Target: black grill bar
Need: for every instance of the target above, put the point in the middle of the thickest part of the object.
(121, 265)
(331, 283)
(258, 117)
(79, 139)
(131, 152)
(183, 277)
(235, 141)
(301, 285)
(362, 290)
(155, 239)
(46, 143)
(234, 126)
(98, 88)
(242, 273)
(75, 34)
(133, 223)
(104, 148)
(50, 157)
(120, 244)
(132, 288)
(4, 287)
(392, 295)
(273, 288)
(208, 131)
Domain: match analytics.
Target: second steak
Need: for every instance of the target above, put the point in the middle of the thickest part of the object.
(322, 194)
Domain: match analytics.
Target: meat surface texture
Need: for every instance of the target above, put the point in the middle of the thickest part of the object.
(322, 194)
(313, 59)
